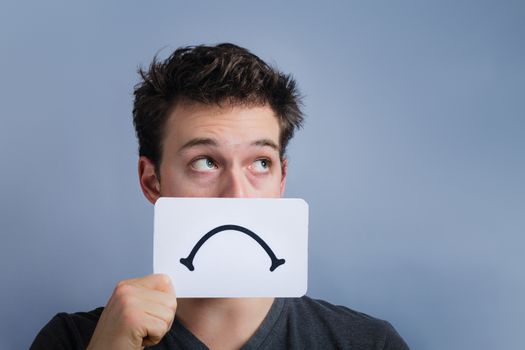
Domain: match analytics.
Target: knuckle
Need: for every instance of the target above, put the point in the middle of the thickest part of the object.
(170, 304)
(126, 302)
(122, 283)
(173, 304)
(122, 289)
(170, 316)
(164, 279)
(157, 331)
(164, 327)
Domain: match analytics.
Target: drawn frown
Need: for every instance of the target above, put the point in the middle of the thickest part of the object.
(188, 261)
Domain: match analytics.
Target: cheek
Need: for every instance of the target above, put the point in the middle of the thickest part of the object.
(267, 186)
(172, 184)
(185, 190)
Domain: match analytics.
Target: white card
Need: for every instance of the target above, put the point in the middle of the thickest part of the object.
(232, 247)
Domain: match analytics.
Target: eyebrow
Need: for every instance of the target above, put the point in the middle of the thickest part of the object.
(203, 141)
(265, 143)
(200, 141)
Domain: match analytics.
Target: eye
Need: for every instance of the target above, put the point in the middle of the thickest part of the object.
(261, 165)
(204, 164)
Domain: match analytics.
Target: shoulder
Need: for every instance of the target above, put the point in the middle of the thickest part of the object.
(317, 309)
(346, 326)
(68, 330)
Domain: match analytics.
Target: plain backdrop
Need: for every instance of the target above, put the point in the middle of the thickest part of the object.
(411, 158)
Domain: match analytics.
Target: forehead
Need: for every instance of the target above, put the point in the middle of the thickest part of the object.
(228, 124)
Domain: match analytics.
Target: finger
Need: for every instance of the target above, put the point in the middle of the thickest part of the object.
(155, 330)
(135, 291)
(156, 309)
(167, 299)
(155, 301)
(159, 282)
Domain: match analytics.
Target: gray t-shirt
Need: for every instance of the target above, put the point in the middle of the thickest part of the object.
(291, 323)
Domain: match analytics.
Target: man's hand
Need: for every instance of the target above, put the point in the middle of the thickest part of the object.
(139, 313)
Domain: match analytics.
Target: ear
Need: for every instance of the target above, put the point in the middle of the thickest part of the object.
(284, 171)
(149, 182)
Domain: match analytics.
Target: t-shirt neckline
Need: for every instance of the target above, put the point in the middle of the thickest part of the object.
(180, 332)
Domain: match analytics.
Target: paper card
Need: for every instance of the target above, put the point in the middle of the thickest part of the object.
(232, 247)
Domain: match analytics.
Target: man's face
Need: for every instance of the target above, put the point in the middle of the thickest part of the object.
(212, 151)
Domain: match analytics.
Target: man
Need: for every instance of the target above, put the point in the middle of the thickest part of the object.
(213, 122)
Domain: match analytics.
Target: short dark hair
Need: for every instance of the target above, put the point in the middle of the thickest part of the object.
(224, 73)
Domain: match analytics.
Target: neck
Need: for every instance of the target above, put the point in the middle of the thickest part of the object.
(223, 323)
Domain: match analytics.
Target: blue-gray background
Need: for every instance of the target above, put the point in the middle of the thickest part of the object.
(412, 158)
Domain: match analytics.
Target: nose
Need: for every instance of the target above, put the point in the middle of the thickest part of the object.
(234, 184)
